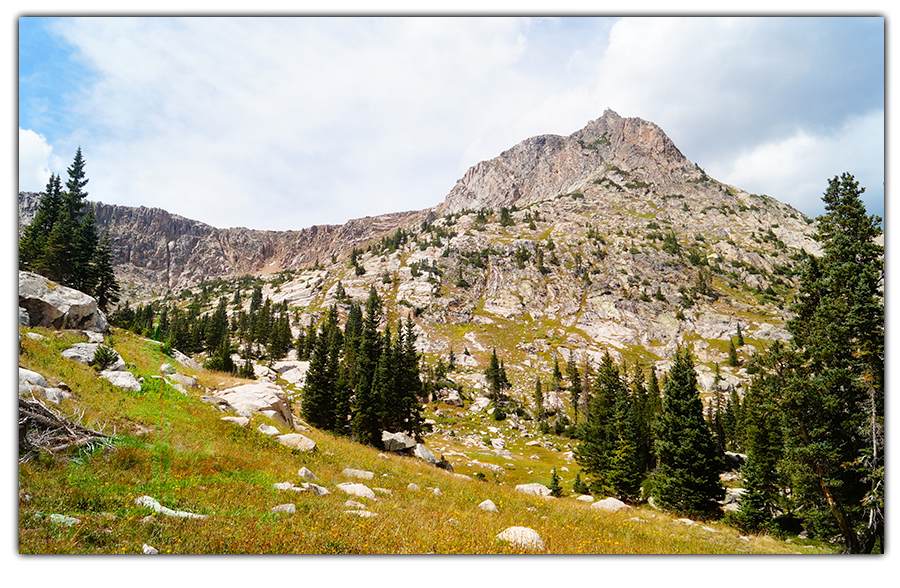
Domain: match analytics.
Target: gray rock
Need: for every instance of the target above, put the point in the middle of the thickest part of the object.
(29, 379)
(84, 353)
(522, 537)
(288, 508)
(63, 519)
(316, 489)
(124, 380)
(362, 474)
(157, 507)
(610, 504)
(361, 513)
(412, 487)
(297, 441)
(306, 474)
(52, 305)
(354, 504)
(489, 506)
(534, 489)
(148, 550)
(24, 320)
(56, 395)
(357, 490)
(186, 381)
(397, 441)
(261, 397)
(424, 453)
(267, 430)
(167, 369)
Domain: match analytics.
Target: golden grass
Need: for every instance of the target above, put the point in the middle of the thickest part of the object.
(191, 460)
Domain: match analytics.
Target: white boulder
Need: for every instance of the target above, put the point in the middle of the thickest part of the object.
(610, 505)
(262, 397)
(124, 380)
(357, 490)
(489, 506)
(522, 537)
(534, 489)
(297, 441)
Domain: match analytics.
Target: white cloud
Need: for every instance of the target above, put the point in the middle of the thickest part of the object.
(797, 169)
(34, 161)
(285, 122)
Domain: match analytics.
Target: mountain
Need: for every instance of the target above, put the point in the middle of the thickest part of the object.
(608, 239)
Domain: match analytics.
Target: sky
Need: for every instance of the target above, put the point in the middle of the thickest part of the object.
(285, 122)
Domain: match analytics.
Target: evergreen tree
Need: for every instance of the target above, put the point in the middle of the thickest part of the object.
(733, 360)
(367, 409)
(598, 433)
(689, 461)
(740, 336)
(574, 378)
(625, 467)
(319, 391)
(762, 476)
(831, 385)
(492, 374)
(539, 400)
(106, 288)
(555, 487)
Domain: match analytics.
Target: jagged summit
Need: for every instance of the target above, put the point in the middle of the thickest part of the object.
(546, 165)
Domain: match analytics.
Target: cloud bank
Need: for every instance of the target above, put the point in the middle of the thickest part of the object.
(281, 123)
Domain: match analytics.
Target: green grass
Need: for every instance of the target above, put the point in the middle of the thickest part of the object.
(191, 460)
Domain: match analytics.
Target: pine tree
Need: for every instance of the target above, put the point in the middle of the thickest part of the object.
(740, 336)
(492, 374)
(625, 466)
(689, 461)
(555, 487)
(539, 400)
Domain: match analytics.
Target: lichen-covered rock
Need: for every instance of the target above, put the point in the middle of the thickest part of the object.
(55, 306)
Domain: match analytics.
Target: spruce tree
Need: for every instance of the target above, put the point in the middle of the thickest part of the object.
(598, 434)
(106, 287)
(689, 461)
(831, 377)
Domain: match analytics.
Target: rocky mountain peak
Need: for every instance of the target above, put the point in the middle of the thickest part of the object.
(544, 166)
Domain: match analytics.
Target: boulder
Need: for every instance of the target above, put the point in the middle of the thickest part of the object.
(424, 453)
(185, 381)
(357, 490)
(297, 441)
(167, 369)
(29, 379)
(239, 421)
(262, 397)
(489, 506)
(149, 550)
(585, 498)
(306, 474)
(610, 505)
(288, 508)
(397, 441)
(522, 537)
(52, 305)
(354, 504)
(315, 489)
(480, 404)
(267, 430)
(412, 487)
(450, 396)
(84, 353)
(534, 489)
(124, 380)
(24, 319)
(185, 360)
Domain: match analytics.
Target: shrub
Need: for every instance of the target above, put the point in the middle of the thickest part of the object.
(104, 357)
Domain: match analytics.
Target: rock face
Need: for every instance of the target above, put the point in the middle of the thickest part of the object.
(52, 305)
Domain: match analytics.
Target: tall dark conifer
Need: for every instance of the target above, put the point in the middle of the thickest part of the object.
(689, 461)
